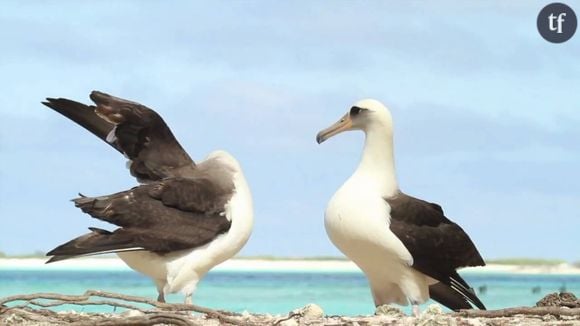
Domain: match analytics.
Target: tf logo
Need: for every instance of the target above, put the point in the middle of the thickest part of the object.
(557, 22)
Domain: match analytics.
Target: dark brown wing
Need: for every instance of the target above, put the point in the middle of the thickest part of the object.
(438, 245)
(83, 115)
(170, 215)
(134, 130)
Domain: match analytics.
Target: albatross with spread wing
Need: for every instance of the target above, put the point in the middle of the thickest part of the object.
(184, 218)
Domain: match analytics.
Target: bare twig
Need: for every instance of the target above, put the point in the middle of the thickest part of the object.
(120, 300)
(30, 308)
(84, 303)
(139, 320)
(290, 316)
(32, 315)
(510, 312)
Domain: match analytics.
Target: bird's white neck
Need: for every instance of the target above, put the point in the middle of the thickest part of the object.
(377, 166)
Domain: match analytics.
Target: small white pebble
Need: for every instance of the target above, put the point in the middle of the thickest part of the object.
(131, 313)
(386, 310)
(312, 311)
(434, 309)
(549, 318)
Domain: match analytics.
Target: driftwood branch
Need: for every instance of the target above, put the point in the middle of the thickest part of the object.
(153, 319)
(163, 313)
(32, 308)
(290, 316)
(528, 311)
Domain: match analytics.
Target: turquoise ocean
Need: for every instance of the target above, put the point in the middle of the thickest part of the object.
(276, 292)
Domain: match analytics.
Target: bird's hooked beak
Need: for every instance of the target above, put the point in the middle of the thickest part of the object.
(345, 123)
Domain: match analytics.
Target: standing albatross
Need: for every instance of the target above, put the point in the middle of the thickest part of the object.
(406, 247)
(184, 218)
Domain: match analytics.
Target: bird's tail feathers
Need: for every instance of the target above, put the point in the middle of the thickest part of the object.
(455, 294)
(97, 242)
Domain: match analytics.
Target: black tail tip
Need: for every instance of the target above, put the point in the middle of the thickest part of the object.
(53, 259)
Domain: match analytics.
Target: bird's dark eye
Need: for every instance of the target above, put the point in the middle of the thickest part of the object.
(355, 110)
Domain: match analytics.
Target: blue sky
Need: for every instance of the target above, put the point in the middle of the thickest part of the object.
(486, 112)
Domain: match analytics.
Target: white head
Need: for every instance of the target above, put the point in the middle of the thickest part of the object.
(364, 115)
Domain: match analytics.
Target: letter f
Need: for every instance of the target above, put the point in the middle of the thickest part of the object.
(560, 21)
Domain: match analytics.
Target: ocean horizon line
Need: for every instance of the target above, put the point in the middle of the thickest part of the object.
(497, 260)
(113, 263)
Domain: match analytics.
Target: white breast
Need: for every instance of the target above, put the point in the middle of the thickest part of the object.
(357, 222)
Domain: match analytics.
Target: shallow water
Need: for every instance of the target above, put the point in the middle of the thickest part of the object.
(344, 293)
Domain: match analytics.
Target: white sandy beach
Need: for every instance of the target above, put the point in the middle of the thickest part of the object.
(269, 265)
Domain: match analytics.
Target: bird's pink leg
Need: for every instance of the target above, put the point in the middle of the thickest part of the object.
(416, 311)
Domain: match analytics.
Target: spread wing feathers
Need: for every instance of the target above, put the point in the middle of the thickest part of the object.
(133, 129)
(165, 216)
(83, 115)
(438, 245)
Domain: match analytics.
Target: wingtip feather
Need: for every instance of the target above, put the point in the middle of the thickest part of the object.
(49, 102)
